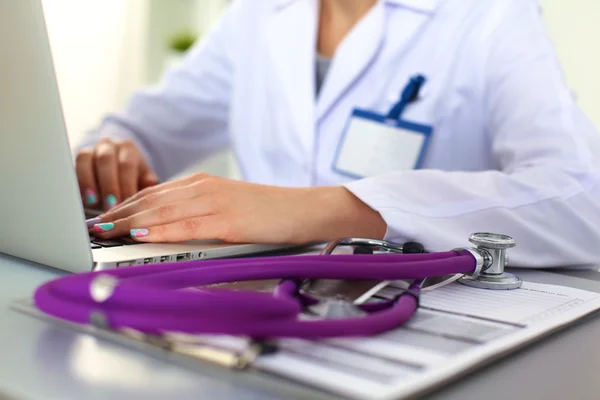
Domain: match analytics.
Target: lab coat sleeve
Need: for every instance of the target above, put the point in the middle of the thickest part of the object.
(545, 192)
(184, 118)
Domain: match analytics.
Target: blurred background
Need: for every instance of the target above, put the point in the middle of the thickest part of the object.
(105, 49)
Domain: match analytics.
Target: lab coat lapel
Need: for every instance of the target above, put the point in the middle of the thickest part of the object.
(353, 57)
(359, 50)
(291, 32)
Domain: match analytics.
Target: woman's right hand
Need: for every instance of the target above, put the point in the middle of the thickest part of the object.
(111, 172)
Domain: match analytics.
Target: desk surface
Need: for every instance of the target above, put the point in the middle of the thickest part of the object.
(40, 360)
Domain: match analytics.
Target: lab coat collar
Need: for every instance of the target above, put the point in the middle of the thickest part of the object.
(427, 6)
(291, 32)
(352, 58)
(365, 43)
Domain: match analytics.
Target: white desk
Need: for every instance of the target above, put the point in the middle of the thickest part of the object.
(40, 360)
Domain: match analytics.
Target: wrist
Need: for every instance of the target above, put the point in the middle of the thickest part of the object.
(338, 213)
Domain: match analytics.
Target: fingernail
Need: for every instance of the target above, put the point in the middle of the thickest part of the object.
(99, 228)
(91, 222)
(111, 201)
(138, 232)
(90, 196)
(152, 178)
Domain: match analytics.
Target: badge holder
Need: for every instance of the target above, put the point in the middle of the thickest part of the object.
(374, 144)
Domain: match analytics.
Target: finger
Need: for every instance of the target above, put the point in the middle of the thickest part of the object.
(84, 167)
(129, 165)
(147, 177)
(149, 191)
(200, 228)
(155, 190)
(105, 158)
(162, 215)
(155, 200)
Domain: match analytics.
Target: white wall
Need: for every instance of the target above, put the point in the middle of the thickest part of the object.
(105, 49)
(208, 12)
(89, 40)
(574, 25)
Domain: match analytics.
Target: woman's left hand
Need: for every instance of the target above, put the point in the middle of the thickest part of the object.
(203, 207)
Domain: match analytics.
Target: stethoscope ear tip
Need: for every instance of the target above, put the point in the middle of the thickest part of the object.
(413, 248)
(363, 250)
(407, 248)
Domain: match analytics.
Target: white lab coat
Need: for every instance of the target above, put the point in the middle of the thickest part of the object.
(510, 152)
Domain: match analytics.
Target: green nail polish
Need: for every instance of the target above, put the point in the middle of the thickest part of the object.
(111, 201)
(91, 196)
(138, 232)
(105, 227)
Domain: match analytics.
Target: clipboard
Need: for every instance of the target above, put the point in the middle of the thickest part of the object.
(359, 364)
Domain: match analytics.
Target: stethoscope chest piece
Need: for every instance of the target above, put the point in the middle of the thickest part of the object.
(493, 248)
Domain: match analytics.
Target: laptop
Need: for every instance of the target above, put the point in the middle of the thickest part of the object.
(41, 215)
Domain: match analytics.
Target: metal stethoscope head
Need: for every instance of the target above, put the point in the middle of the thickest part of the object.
(492, 249)
(490, 253)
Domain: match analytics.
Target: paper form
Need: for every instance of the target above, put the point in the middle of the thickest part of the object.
(456, 328)
(533, 302)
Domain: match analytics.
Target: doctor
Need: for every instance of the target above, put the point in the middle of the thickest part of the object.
(420, 120)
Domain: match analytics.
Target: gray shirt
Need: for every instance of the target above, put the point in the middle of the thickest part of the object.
(322, 67)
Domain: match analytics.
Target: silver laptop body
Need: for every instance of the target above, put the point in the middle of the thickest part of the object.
(41, 215)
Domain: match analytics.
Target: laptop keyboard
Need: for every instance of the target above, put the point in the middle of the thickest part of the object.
(116, 242)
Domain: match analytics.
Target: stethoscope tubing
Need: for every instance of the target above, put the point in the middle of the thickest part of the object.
(156, 298)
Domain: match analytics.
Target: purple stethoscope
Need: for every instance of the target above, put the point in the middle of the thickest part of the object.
(156, 299)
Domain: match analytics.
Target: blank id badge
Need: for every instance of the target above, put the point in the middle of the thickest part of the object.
(375, 144)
